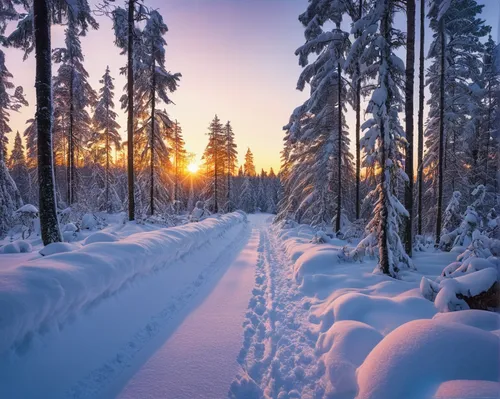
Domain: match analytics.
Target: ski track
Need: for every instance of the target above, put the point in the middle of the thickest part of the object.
(97, 381)
(278, 352)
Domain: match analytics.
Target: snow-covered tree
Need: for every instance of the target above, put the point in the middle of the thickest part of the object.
(19, 168)
(247, 196)
(455, 53)
(214, 157)
(73, 94)
(231, 162)
(33, 32)
(452, 214)
(152, 86)
(106, 127)
(384, 137)
(179, 158)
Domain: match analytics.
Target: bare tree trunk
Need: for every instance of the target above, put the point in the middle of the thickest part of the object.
(339, 143)
(441, 133)
(216, 151)
(130, 115)
(152, 144)
(421, 98)
(176, 181)
(49, 225)
(358, 129)
(409, 82)
(229, 160)
(385, 182)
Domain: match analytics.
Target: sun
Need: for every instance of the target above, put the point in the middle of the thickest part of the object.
(193, 167)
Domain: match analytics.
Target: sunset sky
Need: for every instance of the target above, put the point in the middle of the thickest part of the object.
(236, 58)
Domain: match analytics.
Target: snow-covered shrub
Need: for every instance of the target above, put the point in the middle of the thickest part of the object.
(452, 215)
(16, 247)
(199, 212)
(355, 229)
(26, 215)
(70, 232)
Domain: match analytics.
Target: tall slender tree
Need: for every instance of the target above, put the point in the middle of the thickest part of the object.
(421, 99)
(249, 166)
(384, 136)
(231, 163)
(106, 127)
(409, 84)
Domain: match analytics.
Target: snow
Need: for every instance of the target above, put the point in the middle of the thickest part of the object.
(28, 208)
(100, 237)
(468, 285)
(418, 356)
(16, 247)
(48, 292)
(377, 337)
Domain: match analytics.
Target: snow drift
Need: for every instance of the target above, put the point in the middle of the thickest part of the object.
(47, 292)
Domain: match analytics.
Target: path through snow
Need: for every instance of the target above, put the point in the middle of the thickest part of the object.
(199, 360)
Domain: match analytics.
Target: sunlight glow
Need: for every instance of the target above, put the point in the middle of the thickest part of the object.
(193, 167)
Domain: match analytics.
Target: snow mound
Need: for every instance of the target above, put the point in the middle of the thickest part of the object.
(319, 259)
(468, 389)
(468, 285)
(384, 314)
(46, 292)
(420, 355)
(100, 237)
(488, 321)
(344, 347)
(58, 248)
(16, 247)
(89, 222)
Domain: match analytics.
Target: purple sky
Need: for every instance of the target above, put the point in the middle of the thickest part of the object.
(237, 60)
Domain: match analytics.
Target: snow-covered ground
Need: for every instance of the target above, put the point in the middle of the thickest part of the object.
(229, 308)
(87, 339)
(320, 327)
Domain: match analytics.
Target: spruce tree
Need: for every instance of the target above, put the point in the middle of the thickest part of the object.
(106, 127)
(248, 166)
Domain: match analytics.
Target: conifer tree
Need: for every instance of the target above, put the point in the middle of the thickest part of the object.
(214, 156)
(248, 166)
(180, 158)
(106, 127)
(231, 163)
(384, 135)
(247, 196)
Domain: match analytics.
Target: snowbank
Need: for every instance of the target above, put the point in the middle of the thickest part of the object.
(46, 292)
(415, 359)
(381, 338)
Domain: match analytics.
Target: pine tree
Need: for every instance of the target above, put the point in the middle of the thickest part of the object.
(455, 54)
(214, 156)
(33, 33)
(19, 168)
(247, 196)
(409, 83)
(231, 163)
(72, 96)
(180, 158)
(10, 198)
(106, 127)
(384, 135)
(248, 166)
(421, 99)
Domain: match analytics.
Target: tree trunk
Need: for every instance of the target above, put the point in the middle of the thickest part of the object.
(130, 115)
(176, 181)
(421, 98)
(409, 81)
(441, 133)
(152, 144)
(358, 129)
(71, 138)
(339, 143)
(228, 170)
(385, 183)
(216, 150)
(49, 226)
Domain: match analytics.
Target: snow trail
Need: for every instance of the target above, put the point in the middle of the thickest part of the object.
(277, 356)
(199, 359)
